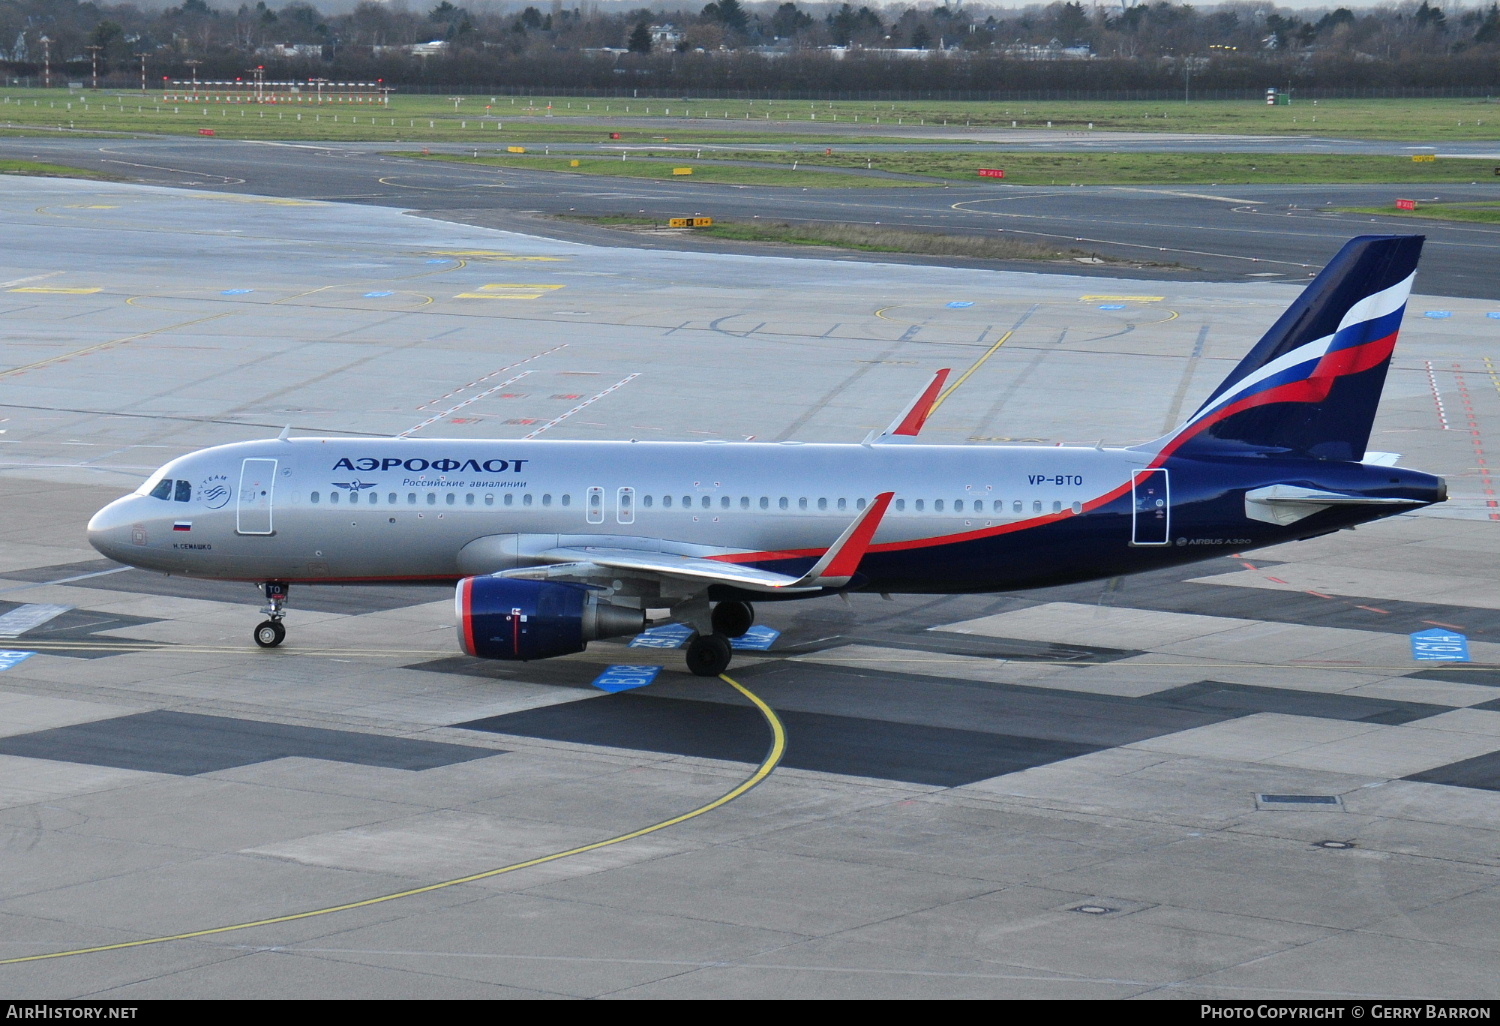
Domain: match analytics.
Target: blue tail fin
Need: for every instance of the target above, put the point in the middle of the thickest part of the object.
(1311, 385)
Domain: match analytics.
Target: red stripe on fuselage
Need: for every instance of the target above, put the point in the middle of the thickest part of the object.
(1312, 389)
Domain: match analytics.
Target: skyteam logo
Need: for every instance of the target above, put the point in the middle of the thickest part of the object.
(214, 491)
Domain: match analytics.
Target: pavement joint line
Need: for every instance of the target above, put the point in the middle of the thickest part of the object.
(14, 371)
(768, 764)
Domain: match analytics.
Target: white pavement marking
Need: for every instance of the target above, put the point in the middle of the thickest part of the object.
(66, 580)
(491, 374)
(28, 617)
(587, 402)
(454, 409)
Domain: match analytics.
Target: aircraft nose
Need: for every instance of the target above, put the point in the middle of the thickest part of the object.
(110, 529)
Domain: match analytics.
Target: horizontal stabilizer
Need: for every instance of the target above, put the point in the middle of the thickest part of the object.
(1286, 504)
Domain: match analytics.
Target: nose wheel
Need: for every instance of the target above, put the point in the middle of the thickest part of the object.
(269, 633)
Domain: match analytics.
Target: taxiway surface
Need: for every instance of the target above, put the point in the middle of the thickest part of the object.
(1227, 233)
(1060, 793)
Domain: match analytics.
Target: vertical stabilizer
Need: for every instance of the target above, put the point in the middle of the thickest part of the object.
(1310, 387)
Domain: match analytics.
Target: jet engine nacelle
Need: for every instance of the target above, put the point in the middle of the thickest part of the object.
(502, 618)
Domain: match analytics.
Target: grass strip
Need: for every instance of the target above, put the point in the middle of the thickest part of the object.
(37, 169)
(435, 118)
(1094, 168)
(657, 169)
(867, 238)
(1483, 213)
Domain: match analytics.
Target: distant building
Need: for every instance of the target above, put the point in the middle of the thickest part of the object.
(665, 37)
(306, 51)
(1053, 51)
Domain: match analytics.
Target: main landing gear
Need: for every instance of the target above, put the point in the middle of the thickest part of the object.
(708, 655)
(270, 633)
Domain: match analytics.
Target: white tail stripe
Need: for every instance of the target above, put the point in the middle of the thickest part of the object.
(1381, 303)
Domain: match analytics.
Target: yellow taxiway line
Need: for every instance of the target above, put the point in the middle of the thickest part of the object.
(769, 763)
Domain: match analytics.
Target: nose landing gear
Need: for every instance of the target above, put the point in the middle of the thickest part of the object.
(270, 633)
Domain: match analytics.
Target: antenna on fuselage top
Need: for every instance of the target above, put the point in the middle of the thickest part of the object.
(286, 434)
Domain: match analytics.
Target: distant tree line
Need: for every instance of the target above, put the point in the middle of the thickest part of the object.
(771, 48)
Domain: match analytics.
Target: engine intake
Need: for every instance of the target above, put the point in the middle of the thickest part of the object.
(502, 618)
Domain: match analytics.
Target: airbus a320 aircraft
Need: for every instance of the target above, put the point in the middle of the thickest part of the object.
(553, 544)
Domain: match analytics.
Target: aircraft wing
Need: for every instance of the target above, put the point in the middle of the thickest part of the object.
(833, 570)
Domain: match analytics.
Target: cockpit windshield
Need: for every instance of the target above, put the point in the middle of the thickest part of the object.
(152, 484)
(166, 488)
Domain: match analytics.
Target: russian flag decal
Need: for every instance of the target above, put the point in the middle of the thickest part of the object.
(183, 525)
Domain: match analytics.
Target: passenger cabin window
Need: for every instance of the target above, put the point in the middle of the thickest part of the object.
(526, 499)
(844, 504)
(900, 505)
(184, 491)
(1057, 506)
(469, 499)
(567, 500)
(666, 501)
(390, 499)
(163, 490)
(1016, 506)
(822, 503)
(745, 502)
(510, 498)
(765, 502)
(937, 505)
(919, 505)
(858, 504)
(314, 498)
(489, 498)
(724, 502)
(333, 497)
(1036, 506)
(646, 501)
(374, 498)
(411, 498)
(432, 498)
(802, 503)
(783, 502)
(958, 505)
(1077, 507)
(547, 499)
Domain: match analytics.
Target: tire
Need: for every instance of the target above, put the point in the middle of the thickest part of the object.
(708, 655)
(733, 619)
(269, 633)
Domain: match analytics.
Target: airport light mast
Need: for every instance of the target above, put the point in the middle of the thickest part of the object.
(46, 42)
(93, 49)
